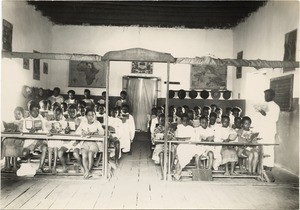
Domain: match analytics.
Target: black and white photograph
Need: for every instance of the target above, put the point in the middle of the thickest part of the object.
(150, 104)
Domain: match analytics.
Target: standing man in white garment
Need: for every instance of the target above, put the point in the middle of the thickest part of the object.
(268, 130)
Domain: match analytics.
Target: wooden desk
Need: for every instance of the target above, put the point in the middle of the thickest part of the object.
(260, 145)
(45, 136)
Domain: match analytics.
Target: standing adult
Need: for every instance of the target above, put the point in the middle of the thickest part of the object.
(268, 129)
(56, 97)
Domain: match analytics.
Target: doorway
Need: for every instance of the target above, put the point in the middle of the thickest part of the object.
(142, 96)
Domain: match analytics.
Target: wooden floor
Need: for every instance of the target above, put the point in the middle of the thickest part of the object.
(137, 184)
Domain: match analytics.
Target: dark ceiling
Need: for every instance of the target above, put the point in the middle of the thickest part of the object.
(187, 14)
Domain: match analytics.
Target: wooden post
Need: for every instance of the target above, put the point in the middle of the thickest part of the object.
(105, 143)
(166, 123)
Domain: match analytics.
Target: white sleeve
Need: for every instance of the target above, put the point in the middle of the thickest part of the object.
(131, 127)
(273, 113)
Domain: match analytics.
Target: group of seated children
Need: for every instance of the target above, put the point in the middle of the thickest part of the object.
(83, 118)
(206, 124)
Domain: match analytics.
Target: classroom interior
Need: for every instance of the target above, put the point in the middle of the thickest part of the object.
(137, 183)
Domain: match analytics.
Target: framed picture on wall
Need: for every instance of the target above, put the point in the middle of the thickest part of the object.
(208, 77)
(36, 67)
(142, 67)
(290, 43)
(45, 68)
(239, 69)
(26, 63)
(7, 32)
(87, 74)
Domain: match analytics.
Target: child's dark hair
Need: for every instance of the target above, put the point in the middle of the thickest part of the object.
(237, 118)
(34, 105)
(72, 106)
(71, 91)
(184, 115)
(82, 104)
(89, 110)
(125, 106)
(203, 118)
(20, 109)
(58, 109)
(103, 93)
(213, 114)
(206, 108)
(56, 89)
(225, 117)
(246, 118)
(64, 104)
(162, 115)
(87, 91)
(123, 92)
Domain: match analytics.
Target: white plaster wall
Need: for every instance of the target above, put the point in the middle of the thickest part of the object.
(99, 40)
(262, 37)
(31, 31)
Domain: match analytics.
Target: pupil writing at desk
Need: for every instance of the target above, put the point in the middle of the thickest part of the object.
(158, 153)
(228, 153)
(35, 123)
(72, 124)
(12, 148)
(90, 148)
(244, 136)
(55, 126)
(184, 151)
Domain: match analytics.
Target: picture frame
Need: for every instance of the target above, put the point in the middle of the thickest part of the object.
(142, 67)
(45, 68)
(36, 68)
(239, 68)
(26, 63)
(208, 77)
(290, 45)
(87, 74)
(7, 33)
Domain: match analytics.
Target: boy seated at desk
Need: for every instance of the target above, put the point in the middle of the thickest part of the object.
(246, 135)
(185, 152)
(12, 148)
(158, 134)
(35, 123)
(88, 128)
(73, 123)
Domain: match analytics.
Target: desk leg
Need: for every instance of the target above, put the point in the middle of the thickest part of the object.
(169, 161)
(261, 165)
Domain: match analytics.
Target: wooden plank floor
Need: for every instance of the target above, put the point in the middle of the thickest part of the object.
(137, 184)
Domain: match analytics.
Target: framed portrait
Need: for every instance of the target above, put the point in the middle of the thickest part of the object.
(7, 32)
(36, 69)
(142, 67)
(45, 68)
(239, 69)
(290, 43)
(87, 74)
(208, 77)
(26, 63)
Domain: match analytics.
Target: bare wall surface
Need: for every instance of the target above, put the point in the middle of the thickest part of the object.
(31, 31)
(287, 153)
